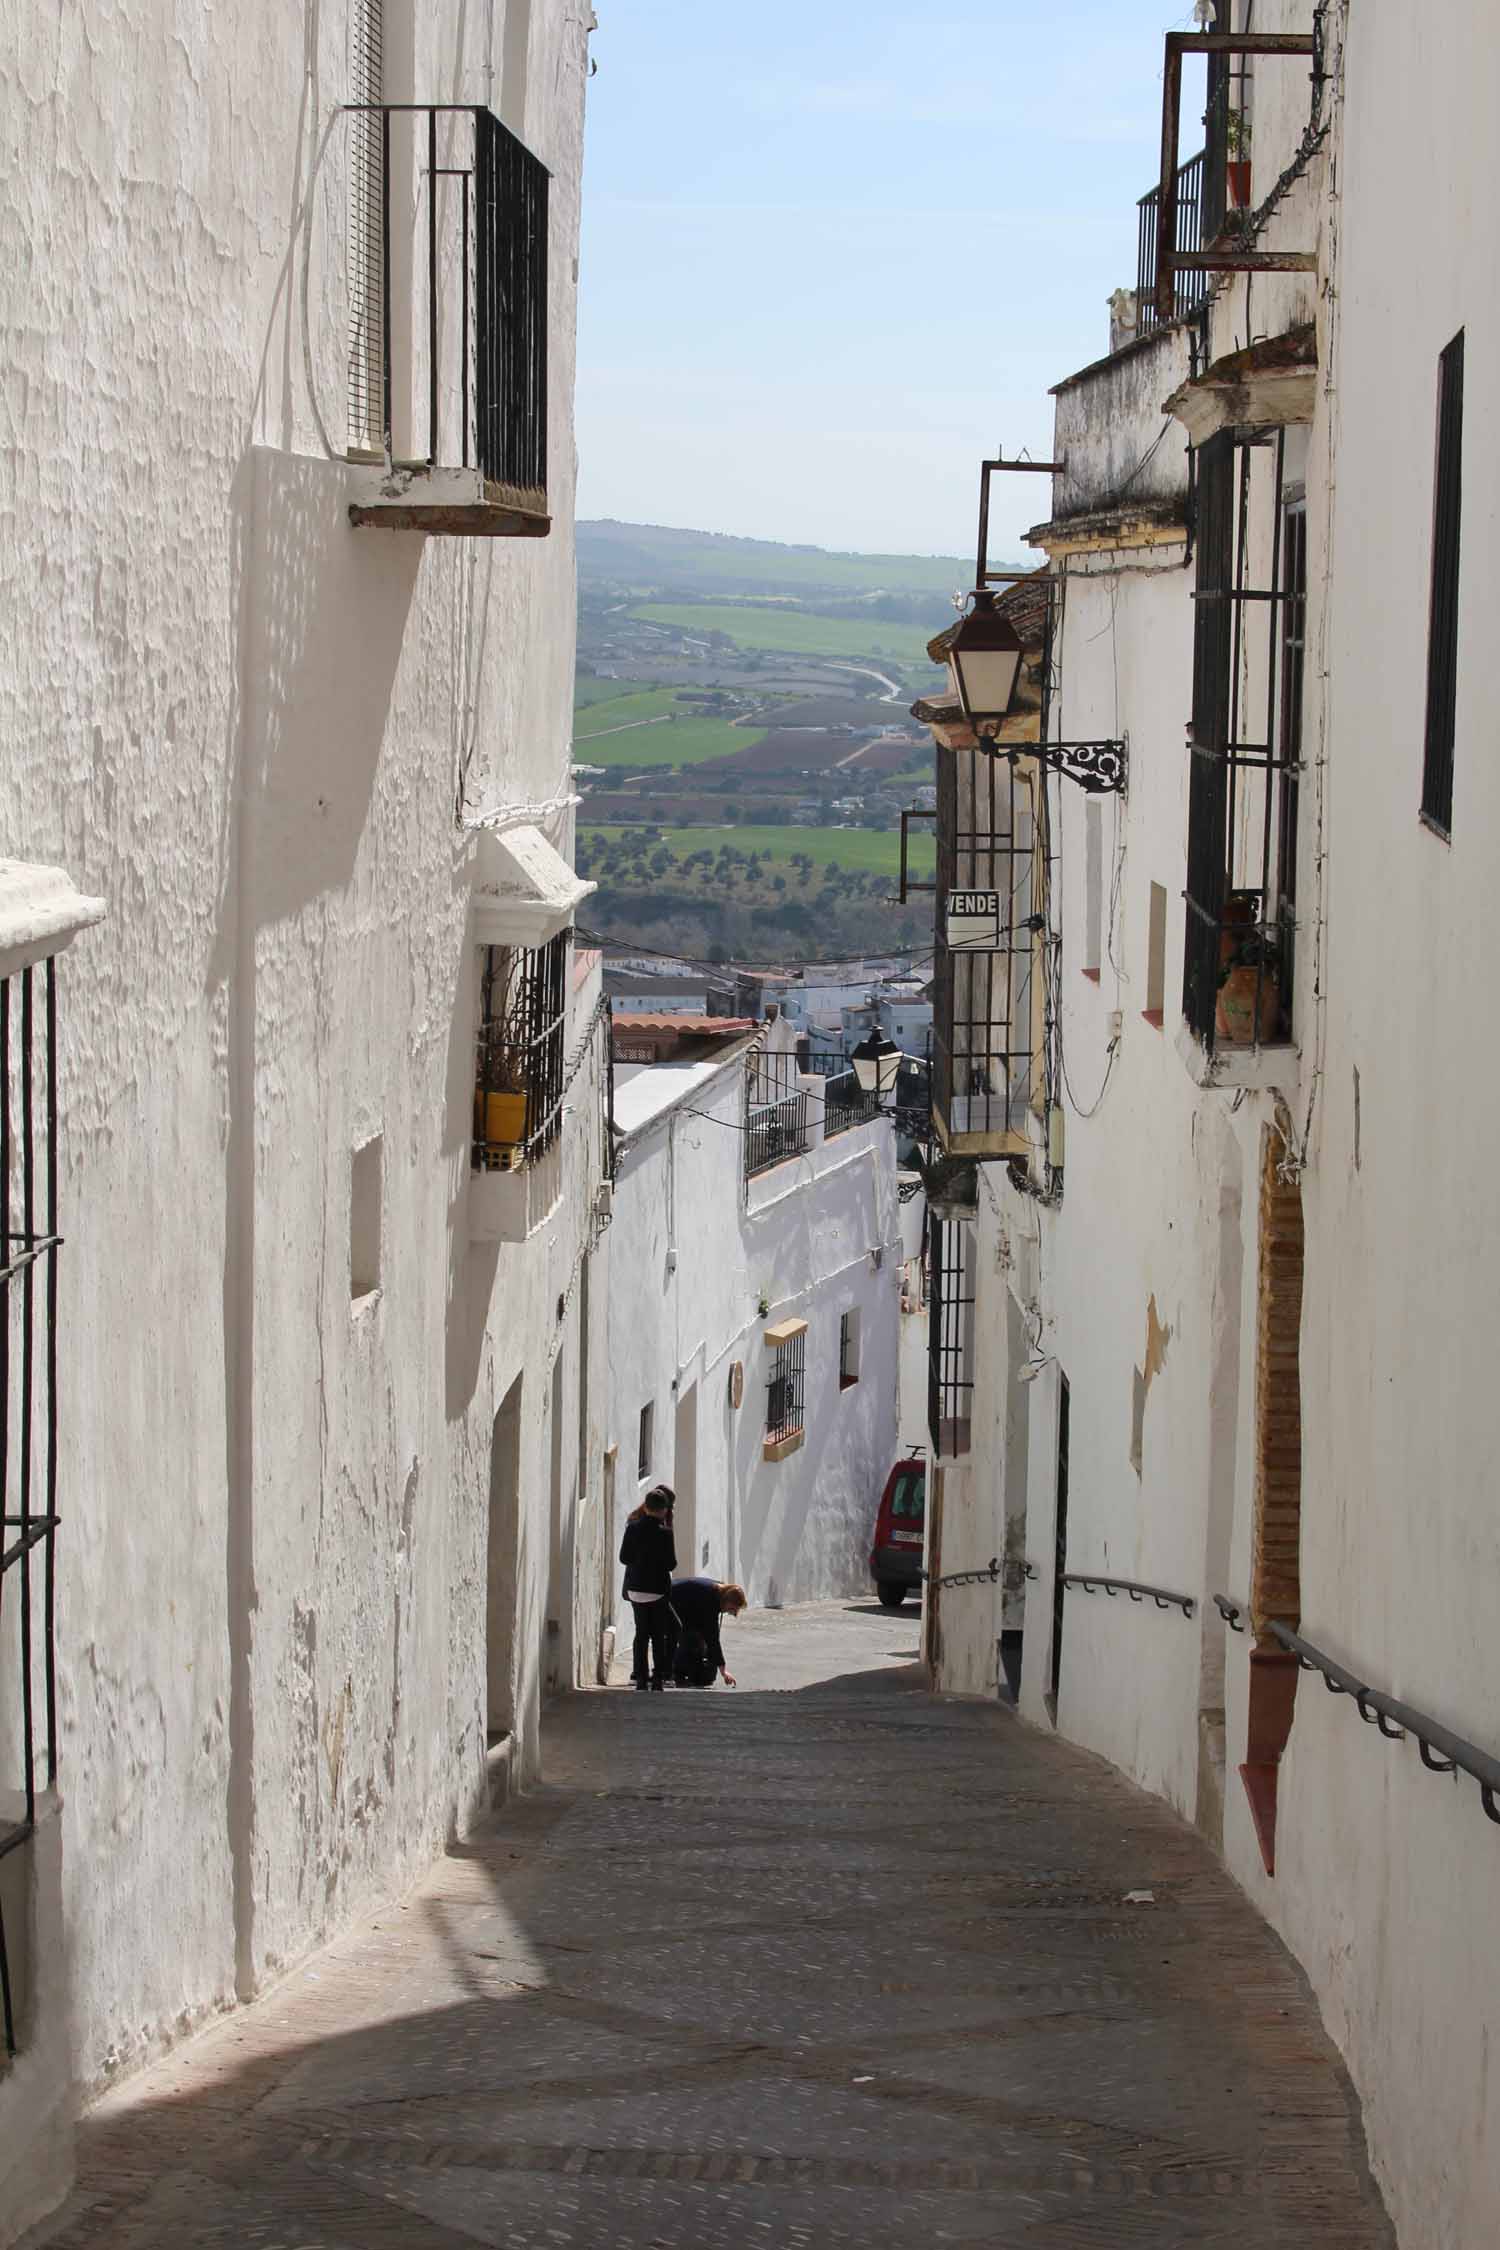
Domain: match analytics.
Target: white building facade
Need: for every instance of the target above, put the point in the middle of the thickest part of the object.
(755, 1306)
(1224, 1315)
(289, 503)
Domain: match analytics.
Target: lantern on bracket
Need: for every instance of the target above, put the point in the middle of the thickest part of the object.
(984, 657)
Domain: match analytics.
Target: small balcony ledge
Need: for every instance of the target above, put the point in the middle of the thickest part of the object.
(456, 502)
(1255, 1069)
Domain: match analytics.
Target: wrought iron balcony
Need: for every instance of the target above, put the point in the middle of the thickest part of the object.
(776, 1120)
(1190, 284)
(448, 317)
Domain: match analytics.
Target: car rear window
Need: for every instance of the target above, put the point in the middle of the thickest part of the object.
(909, 1499)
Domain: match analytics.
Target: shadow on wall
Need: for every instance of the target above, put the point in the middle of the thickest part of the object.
(773, 1533)
(319, 621)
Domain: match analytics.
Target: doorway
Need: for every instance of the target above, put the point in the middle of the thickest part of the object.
(1060, 1544)
(503, 1548)
(552, 1627)
(691, 1557)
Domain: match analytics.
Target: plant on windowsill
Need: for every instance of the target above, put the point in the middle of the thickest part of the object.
(500, 1083)
(1248, 1009)
(1237, 159)
(951, 1184)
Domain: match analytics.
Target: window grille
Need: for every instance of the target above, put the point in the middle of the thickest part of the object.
(366, 415)
(460, 290)
(1442, 634)
(950, 1335)
(989, 976)
(519, 1077)
(784, 1387)
(1244, 744)
(776, 1122)
(28, 1404)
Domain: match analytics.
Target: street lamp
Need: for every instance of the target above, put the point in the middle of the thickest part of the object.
(876, 1061)
(984, 656)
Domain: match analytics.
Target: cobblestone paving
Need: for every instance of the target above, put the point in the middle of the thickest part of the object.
(823, 1963)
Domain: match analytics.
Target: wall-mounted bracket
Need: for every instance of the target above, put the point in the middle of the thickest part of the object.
(1097, 767)
(1209, 259)
(983, 575)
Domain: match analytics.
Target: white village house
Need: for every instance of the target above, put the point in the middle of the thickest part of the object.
(755, 1303)
(288, 507)
(1220, 1314)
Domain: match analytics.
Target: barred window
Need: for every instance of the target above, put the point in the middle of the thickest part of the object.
(28, 1439)
(519, 1079)
(784, 1388)
(848, 1349)
(1244, 744)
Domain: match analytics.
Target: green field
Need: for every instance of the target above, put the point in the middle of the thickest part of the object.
(793, 632)
(622, 710)
(653, 729)
(587, 690)
(866, 851)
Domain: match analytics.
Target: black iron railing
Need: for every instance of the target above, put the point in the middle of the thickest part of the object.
(846, 1103)
(1090, 1582)
(950, 1341)
(28, 1391)
(520, 1074)
(776, 1123)
(1440, 1749)
(448, 316)
(1189, 289)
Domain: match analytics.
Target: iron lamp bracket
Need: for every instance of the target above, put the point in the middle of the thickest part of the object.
(1096, 766)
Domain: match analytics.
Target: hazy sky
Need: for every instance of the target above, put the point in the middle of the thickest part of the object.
(833, 254)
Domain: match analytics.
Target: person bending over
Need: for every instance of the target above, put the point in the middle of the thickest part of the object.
(650, 1559)
(698, 1605)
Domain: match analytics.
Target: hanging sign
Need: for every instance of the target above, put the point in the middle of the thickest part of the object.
(973, 921)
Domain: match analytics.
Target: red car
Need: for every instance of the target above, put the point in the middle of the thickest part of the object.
(896, 1550)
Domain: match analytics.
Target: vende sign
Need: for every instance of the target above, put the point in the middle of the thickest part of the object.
(973, 921)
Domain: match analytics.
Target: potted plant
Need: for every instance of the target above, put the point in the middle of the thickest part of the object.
(1237, 159)
(500, 1084)
(1248, 1009)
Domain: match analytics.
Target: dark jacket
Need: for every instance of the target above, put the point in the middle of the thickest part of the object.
(696, 1601)
(648, 1555)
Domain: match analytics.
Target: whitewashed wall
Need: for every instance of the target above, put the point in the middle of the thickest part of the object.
(1387, 1879)
(244, 724)
(692, 1256)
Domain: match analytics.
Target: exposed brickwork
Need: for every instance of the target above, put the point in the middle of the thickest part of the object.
(1274, 1583)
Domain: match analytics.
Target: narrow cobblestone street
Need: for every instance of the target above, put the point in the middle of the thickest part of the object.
(823, 1962)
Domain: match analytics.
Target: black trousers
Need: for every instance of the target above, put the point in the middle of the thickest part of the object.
(653, 1640)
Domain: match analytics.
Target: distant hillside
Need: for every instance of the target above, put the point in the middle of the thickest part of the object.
(650, 557)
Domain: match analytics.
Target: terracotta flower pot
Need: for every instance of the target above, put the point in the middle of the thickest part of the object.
(1238, 171)
(1248, 1007)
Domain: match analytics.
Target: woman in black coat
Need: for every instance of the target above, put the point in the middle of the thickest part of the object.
(650, 1558)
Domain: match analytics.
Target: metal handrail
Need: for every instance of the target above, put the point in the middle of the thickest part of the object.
(1092, 1583)
(1394, 1718)
(1441, 1750)
(993, 1570)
